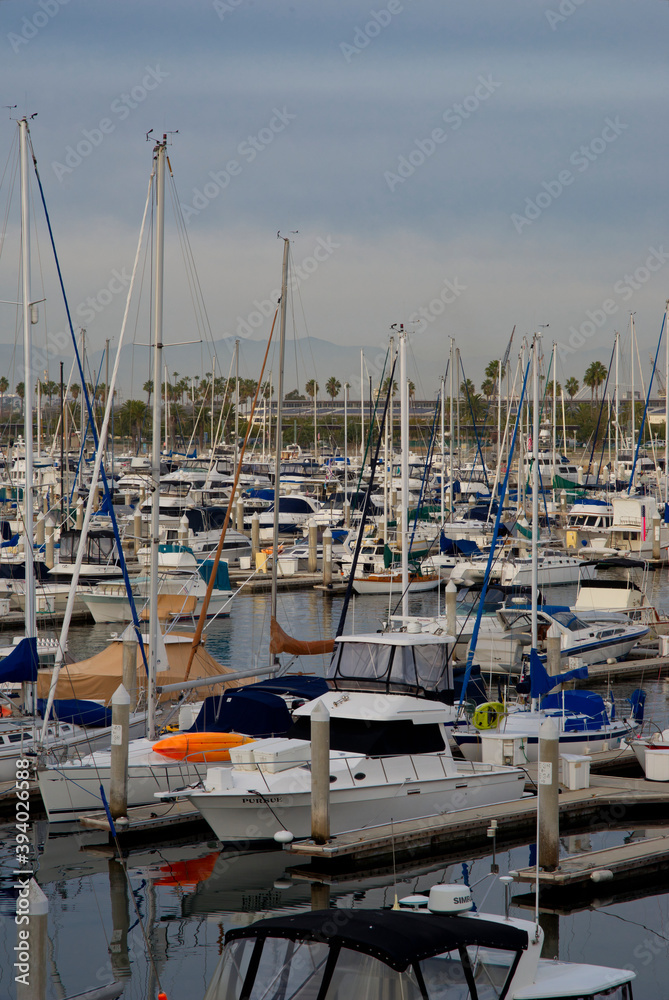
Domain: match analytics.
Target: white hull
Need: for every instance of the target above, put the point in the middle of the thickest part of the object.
(110, 608)
(391, 788)
(73, 788)
(527, 724)
(64, 740)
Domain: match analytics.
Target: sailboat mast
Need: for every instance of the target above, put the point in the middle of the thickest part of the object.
(617, 410)
(453, 375)
(30, 621)
(279, 424)
(666, 403)
(633, 407)
(404, 469)
(159, 153)
(535, 488)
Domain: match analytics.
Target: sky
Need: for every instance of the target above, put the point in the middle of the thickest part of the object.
(462, 167)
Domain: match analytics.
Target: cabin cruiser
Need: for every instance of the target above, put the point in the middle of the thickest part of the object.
(390, 756)
(432, 947)
(588, 523)
(295, 509)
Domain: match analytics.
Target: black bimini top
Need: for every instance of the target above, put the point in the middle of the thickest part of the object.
(396, 938)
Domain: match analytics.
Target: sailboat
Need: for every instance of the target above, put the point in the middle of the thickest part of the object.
(585, 723)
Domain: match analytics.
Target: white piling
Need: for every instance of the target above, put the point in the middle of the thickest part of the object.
(327, 558)
(48, 554)
(130, 670)
(80, 514)
(451, 601)
(137, 529)
(553, 650)
(312, 564)
(240, 514)
(118, 789)
(320, 774)
(255, 536)
(548, 805)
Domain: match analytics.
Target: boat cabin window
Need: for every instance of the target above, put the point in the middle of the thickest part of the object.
(419, 665)
(271, 968)
(569, 620)
(287, 970)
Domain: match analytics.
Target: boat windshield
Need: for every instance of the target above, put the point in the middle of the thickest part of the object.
(419, 665)
(278, 968)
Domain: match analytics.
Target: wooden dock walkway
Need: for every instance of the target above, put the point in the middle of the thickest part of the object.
(641, 856)
(601, 806)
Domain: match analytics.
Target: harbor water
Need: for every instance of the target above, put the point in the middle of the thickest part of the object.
(176, 901)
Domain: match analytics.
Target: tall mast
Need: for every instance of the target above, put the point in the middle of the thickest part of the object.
(404, 468)
(236, 404)
(450, 437)
(345, 442)
(279, 424)
(632, 360)
(362, 408)
(553, 458)
(666, 403)
(443, 450)
(617, 408)
(159, 154)
(30, 622)
(535, 487)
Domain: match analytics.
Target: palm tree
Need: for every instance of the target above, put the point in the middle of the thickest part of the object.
(467, 388)
(558, 389)
(148, 389)
(488, 388)
(133, 414)
(595, 374)
(386, 384)
(572, 386)
(311, 388)
(4, 386)
(492, 368)
(333, 387)
(21, 392)
(412, 391)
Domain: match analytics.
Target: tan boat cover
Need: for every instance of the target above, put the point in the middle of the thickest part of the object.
(98, 677)
(281, 642)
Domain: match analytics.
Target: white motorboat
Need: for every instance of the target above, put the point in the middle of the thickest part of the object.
(586, 724)
(429, 947)
(390, 756)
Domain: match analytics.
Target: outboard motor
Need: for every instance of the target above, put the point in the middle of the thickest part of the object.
(637, 702)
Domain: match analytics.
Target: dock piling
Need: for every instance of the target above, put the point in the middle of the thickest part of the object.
(320, 774)
(118, 788)
(548, 805)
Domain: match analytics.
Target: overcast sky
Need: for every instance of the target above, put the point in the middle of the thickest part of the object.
(493, 164)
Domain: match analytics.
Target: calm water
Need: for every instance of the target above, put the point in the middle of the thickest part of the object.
(184, 898)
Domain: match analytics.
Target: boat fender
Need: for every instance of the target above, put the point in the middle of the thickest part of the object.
(488, 714)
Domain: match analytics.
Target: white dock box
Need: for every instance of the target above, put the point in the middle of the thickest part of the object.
(242, 757)
(245, 562)
(657, 765)
(282, 755)
(575, 771)
(287, 566)
(501, 749)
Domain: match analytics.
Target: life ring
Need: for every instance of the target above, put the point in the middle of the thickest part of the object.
(487, 715)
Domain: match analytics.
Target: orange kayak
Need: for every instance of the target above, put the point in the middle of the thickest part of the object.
(199, 748)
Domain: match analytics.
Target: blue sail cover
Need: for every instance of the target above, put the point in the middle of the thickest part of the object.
(78, 712)
(21, 664)
(542, 682)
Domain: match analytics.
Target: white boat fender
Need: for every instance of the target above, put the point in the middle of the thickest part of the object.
(602, 875)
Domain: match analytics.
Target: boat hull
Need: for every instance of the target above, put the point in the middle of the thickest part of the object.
(250, 814)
